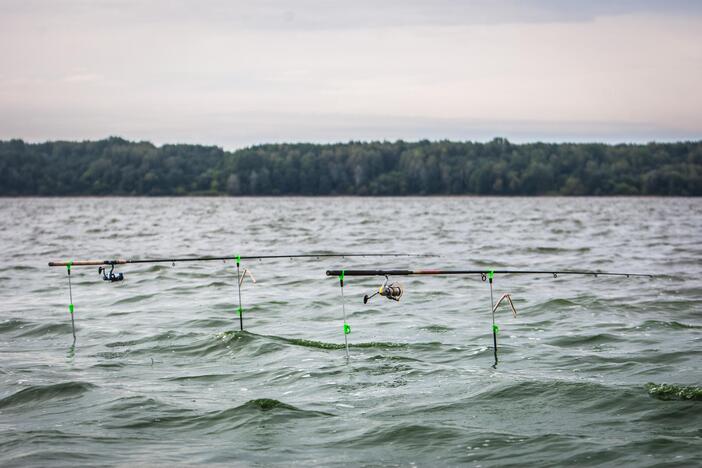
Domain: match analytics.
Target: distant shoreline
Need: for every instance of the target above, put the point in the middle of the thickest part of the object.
(117, 167)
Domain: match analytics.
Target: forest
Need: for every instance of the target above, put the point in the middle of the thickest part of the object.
(115, 166)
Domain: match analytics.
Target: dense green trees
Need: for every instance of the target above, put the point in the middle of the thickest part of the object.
(118, 167)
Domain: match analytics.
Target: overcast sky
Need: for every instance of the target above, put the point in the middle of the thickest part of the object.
(235, 73)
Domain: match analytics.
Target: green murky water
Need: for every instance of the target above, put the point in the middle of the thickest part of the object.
(592, 370)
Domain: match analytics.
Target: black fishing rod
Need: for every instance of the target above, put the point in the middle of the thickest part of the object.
(113, 277)
(394, 291)
(125, 261)
(555, 273)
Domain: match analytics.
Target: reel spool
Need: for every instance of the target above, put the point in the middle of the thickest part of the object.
(392, 291)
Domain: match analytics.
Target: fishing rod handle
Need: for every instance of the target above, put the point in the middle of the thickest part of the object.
(370, 272)
(87, 262)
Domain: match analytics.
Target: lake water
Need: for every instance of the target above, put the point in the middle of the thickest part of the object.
(592, 370)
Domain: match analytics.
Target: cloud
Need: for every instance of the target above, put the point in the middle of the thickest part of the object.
(325, 14)
(183, 71)
(82, 78)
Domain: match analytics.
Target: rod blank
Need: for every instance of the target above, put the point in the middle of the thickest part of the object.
(479, 272)
(119, 261)
(122, 261)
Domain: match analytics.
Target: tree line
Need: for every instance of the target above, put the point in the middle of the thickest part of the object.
(115, 166)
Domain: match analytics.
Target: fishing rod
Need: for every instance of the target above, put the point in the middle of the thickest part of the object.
(394, 291)
(113, 277)
(125, 261)
(555, 273)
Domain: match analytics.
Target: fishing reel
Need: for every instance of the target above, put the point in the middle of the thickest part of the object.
(110, 276)
(391, 291)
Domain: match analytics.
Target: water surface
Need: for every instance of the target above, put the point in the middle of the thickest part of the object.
(592, 370)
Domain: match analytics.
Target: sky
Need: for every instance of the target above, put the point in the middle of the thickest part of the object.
(234, 73)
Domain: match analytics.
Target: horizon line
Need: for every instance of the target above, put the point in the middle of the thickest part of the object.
(519, 142)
